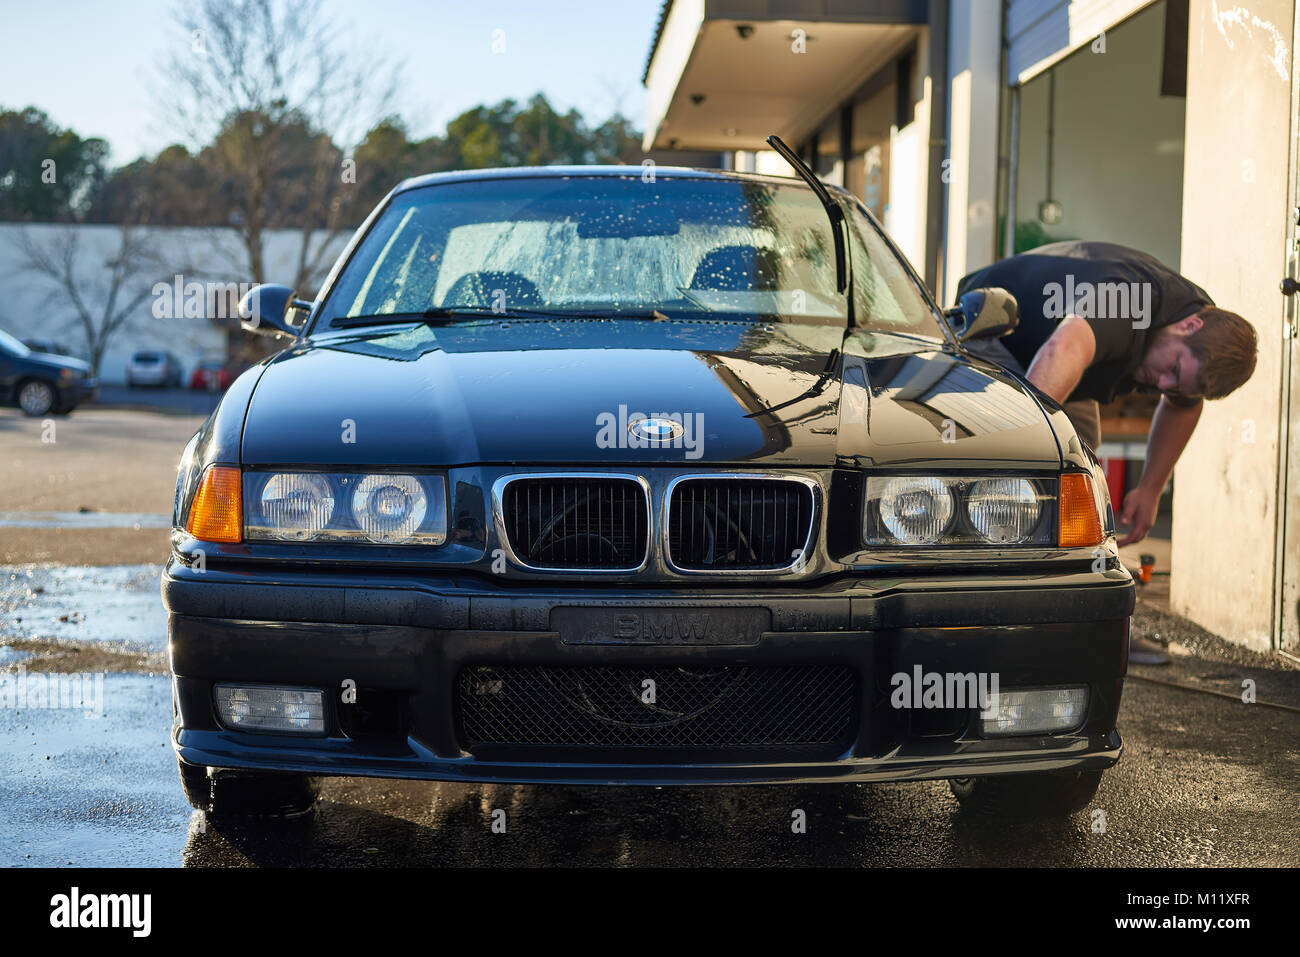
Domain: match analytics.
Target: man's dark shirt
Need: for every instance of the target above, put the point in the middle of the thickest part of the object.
(1042, 281)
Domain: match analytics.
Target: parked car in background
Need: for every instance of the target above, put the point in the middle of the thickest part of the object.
(153, 367)
(571, 478)
(212, 375)
(47, 346)
(40, 383)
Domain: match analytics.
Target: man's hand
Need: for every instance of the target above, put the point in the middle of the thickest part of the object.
(1171, 427)
(1139, 514)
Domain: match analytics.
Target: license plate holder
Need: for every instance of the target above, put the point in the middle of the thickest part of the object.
(689, 627)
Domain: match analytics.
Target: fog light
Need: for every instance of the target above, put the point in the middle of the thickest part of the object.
(262, 708)
(1040, 711)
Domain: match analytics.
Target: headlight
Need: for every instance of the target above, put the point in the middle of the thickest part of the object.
(296, 506)
(389, 508)
(1003, 510)
(917, 510)
(383, 508)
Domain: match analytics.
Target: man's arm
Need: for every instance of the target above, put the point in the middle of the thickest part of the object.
(1171, 427)
(1060, 363)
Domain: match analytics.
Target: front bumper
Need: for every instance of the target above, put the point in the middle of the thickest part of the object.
(405, 642)
(79, 393)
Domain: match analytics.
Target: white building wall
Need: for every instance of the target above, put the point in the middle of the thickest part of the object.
(974, 85)
(909, 167)
(1235, 232)
(32, 305)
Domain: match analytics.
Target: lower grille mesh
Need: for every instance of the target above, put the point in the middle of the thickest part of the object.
(692, 707)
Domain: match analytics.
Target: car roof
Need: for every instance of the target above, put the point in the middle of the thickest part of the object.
(541, 172)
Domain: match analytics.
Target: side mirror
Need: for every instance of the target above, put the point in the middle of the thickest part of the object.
(265, 310)
(984, 314)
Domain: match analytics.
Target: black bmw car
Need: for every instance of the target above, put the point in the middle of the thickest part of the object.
(42, 383)
(607, 475)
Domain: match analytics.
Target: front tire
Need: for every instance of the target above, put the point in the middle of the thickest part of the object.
(1050, 794)
(247, 793)
(36, 397)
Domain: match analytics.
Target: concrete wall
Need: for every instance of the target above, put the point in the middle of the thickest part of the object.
(1234, 239)
(974, 56)
(909, 172)
(31, 305)
(1118, 170)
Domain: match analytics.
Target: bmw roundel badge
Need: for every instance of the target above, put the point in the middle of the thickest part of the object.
(655, 429)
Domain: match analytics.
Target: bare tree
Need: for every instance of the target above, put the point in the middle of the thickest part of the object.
(102, 298)
(269, 86)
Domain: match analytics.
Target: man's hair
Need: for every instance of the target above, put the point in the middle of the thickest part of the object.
(1225, 347)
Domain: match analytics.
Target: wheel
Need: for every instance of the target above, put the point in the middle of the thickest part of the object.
(36, 397)
(247, 793)
(1045, 794)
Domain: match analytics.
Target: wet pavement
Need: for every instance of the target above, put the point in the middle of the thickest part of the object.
(94, 791)
(1205, 779)
(91, 488)
(115, 606)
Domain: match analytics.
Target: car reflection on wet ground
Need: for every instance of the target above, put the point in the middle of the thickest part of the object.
(1205, 778)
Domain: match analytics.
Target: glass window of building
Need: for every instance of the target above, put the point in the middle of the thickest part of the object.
(868, 173)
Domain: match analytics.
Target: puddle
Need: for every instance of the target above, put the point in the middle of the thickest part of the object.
(84, 520)
(11, 656)
(115, 605)
(94, 792)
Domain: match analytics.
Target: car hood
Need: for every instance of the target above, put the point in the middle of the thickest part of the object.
(54, 361)
(567, 391)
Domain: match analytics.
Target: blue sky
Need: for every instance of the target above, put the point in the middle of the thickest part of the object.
(93, 66)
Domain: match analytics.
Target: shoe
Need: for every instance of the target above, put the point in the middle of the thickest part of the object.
(1144, 652)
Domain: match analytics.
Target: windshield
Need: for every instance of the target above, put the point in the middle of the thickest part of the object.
(13, 346)
(613, 245)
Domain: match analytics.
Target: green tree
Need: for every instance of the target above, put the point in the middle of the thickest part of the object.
(534, 134)
(46, 173)
(173, 189)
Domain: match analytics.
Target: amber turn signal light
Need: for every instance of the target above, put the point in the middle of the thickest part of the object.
(215, 514)
(1080, 524)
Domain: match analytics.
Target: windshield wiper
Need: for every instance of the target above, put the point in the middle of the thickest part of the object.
(429, 315)
(387, 318)
(485, 312)
(440, 312)
(816, 389)
(834, 212)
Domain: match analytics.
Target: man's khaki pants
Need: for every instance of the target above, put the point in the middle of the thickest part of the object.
(1086, 416)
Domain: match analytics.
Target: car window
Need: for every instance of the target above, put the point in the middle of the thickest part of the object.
(12, 346)
(729, 247)
(885, 294)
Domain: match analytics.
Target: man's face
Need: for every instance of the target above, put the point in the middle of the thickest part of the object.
(1170, 367)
